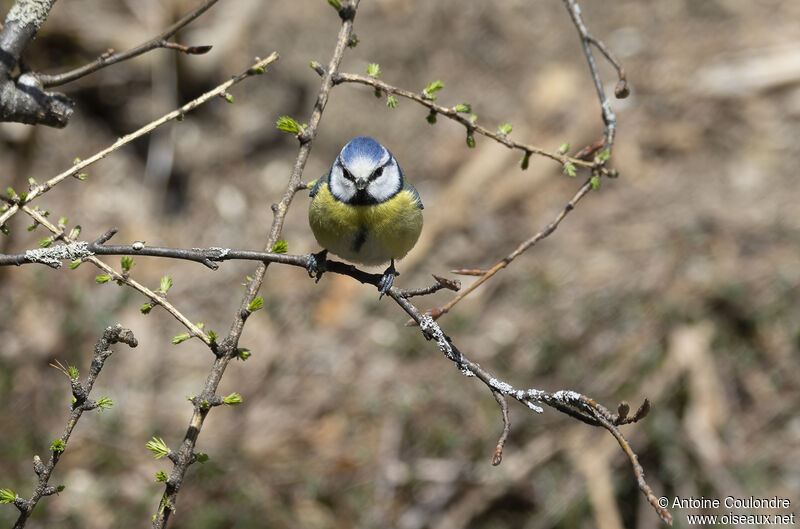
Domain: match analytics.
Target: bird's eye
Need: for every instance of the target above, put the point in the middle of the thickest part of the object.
(346, 174)
(376, 173)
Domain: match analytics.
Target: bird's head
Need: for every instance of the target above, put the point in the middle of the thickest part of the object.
(365, 172)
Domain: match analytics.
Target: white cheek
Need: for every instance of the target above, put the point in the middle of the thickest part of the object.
(341, 188)
(387, 185)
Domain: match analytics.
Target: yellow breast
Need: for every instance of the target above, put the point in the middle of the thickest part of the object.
(370, 234)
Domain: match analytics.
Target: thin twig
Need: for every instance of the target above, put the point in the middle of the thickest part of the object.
(80, 392)
(519, 250)
(501, 442)
(451, 113)
(154, 298)
(104, 60)
(587, 40)
(638, 471)
(40, 189)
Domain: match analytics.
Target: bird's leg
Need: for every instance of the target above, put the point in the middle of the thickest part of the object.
(387, 280)
(316, 264)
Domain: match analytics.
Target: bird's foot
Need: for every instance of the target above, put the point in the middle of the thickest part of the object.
(387, 280)
(316, 265)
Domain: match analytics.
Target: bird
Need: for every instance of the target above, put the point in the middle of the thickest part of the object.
(365, 210)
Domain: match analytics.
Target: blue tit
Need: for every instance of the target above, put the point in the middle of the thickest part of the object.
(364, 210)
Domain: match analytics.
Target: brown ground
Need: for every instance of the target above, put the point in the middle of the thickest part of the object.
(677, 282)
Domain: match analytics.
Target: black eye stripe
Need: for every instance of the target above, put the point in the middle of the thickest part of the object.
(379, 171)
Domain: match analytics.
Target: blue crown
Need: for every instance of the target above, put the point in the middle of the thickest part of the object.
(362, 147)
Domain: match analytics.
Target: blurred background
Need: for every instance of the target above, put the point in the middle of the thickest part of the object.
(677, 282)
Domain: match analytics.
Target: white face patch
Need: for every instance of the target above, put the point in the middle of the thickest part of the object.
(365, 177)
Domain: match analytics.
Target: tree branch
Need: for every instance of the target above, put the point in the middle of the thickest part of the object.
(159, 41)
(22, 97)
(184, 456)
(37, 190)
(80, 393)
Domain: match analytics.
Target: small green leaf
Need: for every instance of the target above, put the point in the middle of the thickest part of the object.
(61, 488)
(74, 264)
(47, 241)
(146, 308)
(470, 140)
(165, 285)
(336, 4)
(287, 124)
(58, 446)
(104, 403)
(228, 97)
(314, 64)
(232, 399)
(161, 476)
(32, 181)
(374, 69)
(505, 128)
(431, 89)
(391, 101)
(126, 262)
(604, 156)
(258, 70)
(33, 226)
(595, 181)
(243, 353)
(353, 42)
(431, 117)
(13, 194)
(158, 447)
(181, 338)
(378, 93)
(256, 304)
(7, 496)
(73, 372)
(473, 118)
(563, 148)
(202, 457)
(81, 176)
(76, 161)
(212, 336)
(525, 162)
(103, 278)
(463, 108)
(74, 233)
(280, 246)
(63, 221)
(570, 170)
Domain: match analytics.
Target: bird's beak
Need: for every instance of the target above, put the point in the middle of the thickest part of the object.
(361, 183)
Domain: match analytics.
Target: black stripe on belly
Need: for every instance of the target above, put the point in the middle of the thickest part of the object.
(361, 238)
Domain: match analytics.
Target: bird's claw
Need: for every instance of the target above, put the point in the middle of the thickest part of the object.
(387, 280)
(316, 265)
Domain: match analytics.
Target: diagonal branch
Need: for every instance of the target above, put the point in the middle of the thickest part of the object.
(81, 403)
(39, 189)
(105, 60)
(184, 456)
(522, 248)
(570, 402)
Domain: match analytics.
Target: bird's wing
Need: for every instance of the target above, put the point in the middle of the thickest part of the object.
(413, 190)
(321, 180)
